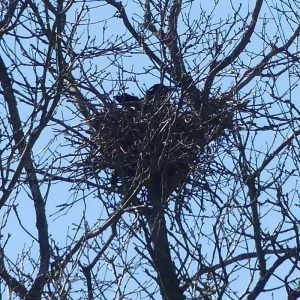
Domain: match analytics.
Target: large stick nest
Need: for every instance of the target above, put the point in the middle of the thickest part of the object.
(149, 139)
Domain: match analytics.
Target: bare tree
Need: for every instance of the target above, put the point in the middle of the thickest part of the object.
(149, 149)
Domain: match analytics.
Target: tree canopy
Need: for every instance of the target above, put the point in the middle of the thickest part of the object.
(149, 149)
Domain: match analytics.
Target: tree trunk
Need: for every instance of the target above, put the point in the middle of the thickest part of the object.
(159, 248)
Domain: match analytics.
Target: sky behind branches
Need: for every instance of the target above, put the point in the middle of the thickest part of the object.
(61, 222)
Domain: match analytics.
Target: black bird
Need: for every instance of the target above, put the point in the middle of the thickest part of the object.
(158, 90)
(125, 99)
(154, 89)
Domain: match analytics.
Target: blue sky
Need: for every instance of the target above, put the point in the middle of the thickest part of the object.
(89, 211)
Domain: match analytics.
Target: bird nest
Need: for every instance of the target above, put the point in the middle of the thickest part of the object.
(151, 140)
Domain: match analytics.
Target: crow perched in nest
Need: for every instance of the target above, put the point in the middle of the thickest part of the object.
(126, 98)
(157, 94)
(158, 90)
(128, 101)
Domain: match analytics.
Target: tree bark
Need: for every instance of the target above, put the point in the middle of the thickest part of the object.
(159, 249)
